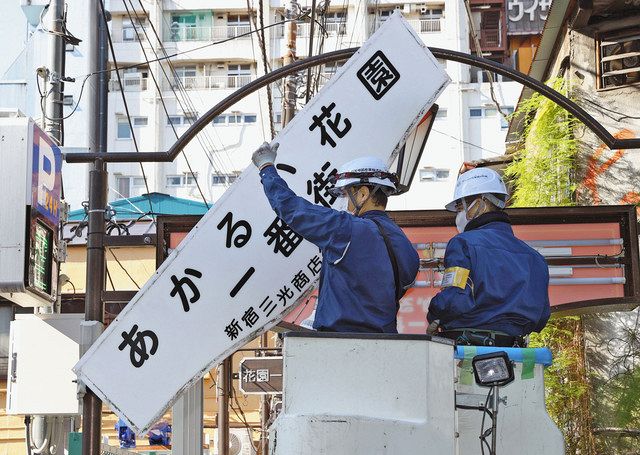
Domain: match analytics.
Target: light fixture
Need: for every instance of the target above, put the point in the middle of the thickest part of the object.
(493, 369)
(409, 156)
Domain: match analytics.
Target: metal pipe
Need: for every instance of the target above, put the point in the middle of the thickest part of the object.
(224, 381)
(537, 243)
(291, 82)
(575, 281)
(264, 406)
(494, 419)
(54, 108)
(98, 184)
(343, 54)
(311, 33)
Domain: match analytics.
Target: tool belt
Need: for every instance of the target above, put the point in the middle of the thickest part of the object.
(468, 337)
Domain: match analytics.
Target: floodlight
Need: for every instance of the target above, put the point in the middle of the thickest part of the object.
(493, 369)
(409, 156)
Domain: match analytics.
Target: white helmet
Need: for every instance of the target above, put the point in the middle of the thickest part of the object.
(480, 181)
(362, 171)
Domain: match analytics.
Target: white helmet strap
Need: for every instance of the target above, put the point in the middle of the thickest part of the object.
(494, 200)
(358, 207)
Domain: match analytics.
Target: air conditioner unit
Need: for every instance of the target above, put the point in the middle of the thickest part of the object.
(240, 443)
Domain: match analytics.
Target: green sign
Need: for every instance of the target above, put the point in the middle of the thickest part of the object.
(42, 254)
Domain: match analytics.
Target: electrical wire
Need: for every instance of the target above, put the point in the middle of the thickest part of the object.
(483, 434)
(186, 99)
(177, 54)
(124, 98)
(159, 90)
(467, 142)
(123, 268)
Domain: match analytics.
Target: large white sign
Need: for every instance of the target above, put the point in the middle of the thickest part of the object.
(241, 267)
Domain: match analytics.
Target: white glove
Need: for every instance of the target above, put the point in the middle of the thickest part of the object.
(265, 155)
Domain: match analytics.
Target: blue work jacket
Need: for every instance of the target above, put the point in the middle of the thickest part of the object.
(507, 285)
(357, 286)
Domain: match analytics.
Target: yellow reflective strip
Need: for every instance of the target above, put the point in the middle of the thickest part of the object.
(455, 276)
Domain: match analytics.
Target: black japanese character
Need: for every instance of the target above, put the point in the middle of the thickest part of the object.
(378, 75)
(233, 329)
(250, 317)
(314, 265)
(177, 288)
(284, 239)
(333, 124)
(242, 281)
(300, 280)
(284, 294)
(267, 305)
(138, 354)
(321, 185)
(241, 239)
(286, 168)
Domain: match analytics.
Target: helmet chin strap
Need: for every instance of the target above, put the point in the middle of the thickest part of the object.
(358, 207)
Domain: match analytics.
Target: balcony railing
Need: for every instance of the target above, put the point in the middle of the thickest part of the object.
(426, 25)
(420, 25)
(304, 30)
(129, 84)
(182, 33)
(210, 82)
(490, 38)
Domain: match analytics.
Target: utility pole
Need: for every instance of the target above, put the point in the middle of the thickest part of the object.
(224, 384)
(54, 109)
(290, 85)
(97, 107)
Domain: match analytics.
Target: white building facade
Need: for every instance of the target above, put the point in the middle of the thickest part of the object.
(210, 55)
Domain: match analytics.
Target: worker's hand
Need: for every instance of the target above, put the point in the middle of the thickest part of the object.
(433, 327)
(265, 155)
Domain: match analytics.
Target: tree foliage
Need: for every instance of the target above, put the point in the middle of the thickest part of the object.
(542, 174)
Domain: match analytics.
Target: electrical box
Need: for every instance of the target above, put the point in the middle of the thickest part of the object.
(43, 349)
(31, 176)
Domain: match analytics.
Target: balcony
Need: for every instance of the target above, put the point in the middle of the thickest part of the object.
(130, 84)
(421, 26)
(216, 33)
(426, 25)
(304, 30)
(210, 82)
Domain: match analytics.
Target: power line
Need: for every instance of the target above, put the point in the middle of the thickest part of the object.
(124, 99)
(160, 91)
(467, 142)
(177, 54)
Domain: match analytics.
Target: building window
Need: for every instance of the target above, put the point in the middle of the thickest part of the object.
(238, 75)
(128, 185)
(336, 22)
(442, 113)
(129, 29)
(431, 174)
(504, 122)
(123, 131)
(184, 119)
(234, 119)
(619, 59)
(475, 112)
(223, 179)
(181, 180)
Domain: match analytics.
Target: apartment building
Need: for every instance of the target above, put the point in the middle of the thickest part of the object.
(212, 54)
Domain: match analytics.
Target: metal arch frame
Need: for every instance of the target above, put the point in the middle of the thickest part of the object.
(343, 54)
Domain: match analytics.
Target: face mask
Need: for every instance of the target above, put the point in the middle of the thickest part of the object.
(461, 216)
(461, 220)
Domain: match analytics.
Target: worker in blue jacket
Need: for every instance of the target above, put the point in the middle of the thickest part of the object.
(495, 286)
(368, 262)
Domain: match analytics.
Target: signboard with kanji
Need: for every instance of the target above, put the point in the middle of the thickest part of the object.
(261, 375)
(242, 268)
(526, 17)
